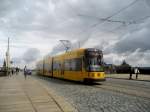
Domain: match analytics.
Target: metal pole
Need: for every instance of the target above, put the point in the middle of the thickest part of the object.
(7, 59)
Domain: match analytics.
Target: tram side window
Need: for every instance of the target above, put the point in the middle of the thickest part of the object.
(67, 65)
(49, 67)
(45, 66)
(41, 66)
(56, 65)
(76, 64)
(38, 67)
(73, 64)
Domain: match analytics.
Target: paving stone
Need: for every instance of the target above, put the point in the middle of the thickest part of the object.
(20, 95)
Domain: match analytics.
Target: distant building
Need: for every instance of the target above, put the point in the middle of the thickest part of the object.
(123, 68)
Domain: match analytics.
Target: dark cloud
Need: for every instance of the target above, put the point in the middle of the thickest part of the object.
(148, 2)
(31, 55)
(135, 40)
(138, 58)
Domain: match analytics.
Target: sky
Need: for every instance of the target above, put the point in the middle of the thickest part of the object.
(120, 28)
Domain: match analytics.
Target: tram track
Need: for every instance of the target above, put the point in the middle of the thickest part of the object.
(106, 96)
(121, 88)
(127, 86)
(124, 89)
(130, 83)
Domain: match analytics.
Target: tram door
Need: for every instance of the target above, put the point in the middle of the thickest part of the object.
(62, 70)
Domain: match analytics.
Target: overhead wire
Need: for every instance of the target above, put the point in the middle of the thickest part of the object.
(126, 24)
(114, 14)
(107, 19)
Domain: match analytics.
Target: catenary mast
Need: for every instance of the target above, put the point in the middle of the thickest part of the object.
(8, 58)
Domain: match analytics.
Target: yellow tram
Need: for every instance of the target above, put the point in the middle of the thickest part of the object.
(78, 65)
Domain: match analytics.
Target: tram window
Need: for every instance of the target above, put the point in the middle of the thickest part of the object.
(67, 65)
(45, 66)
(40, 66)
(56, 65)
(73, 64)
(48, 67)
(76, 64)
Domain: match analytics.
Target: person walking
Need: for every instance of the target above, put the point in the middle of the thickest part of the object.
(130, 77)
(136, 72)
(25, 72)
(17, 70)
(9, 73)
(12, 71)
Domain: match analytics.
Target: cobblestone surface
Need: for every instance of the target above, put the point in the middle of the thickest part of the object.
(90, 99)
(133, 83)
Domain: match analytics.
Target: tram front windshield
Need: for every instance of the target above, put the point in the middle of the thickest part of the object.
(94, 62)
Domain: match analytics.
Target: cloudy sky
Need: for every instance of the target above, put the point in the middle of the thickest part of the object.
(121, 28)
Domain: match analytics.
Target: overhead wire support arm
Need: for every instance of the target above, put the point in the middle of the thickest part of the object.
(66, 44)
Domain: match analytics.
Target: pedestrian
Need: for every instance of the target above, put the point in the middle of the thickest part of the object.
(9, 73)
(25, 72)
(12, 71)
(130, 77)
(17, 70)
(136, 72)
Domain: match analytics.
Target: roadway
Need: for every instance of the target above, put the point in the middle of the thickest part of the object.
(113, 95)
